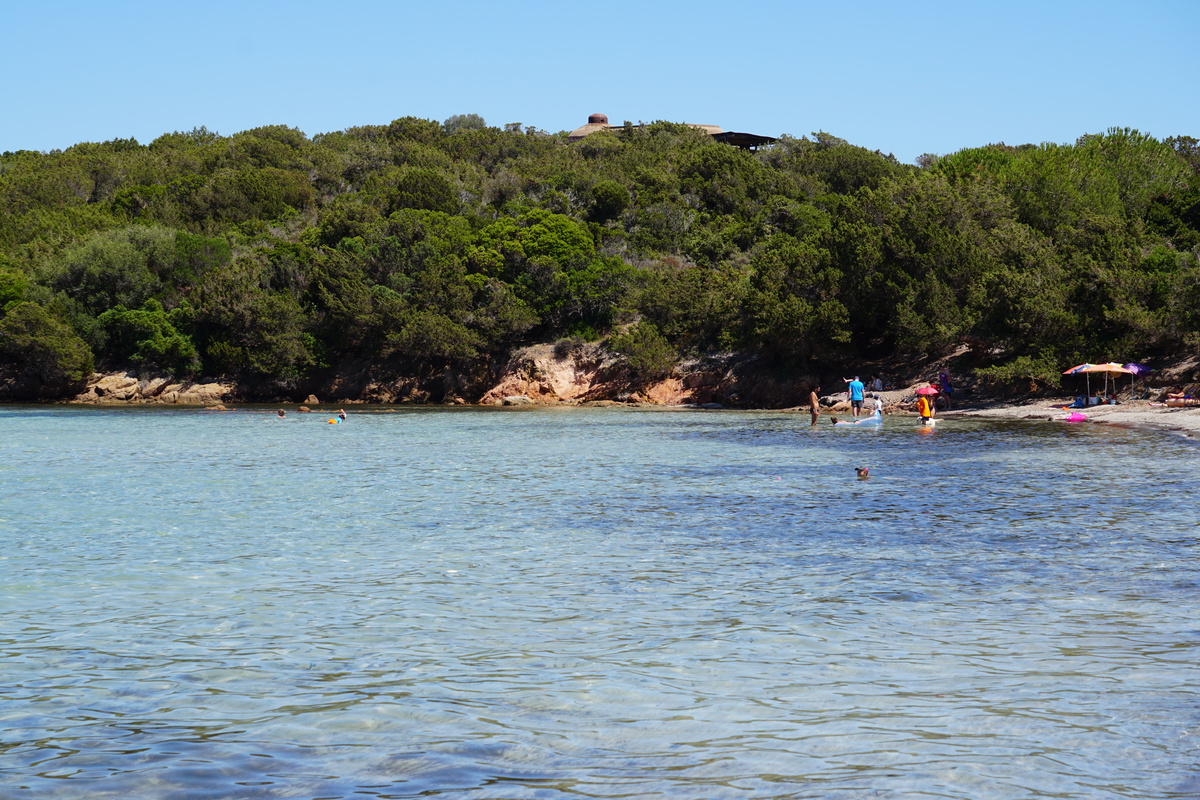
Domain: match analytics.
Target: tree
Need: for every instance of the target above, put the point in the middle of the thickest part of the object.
(13, 287)
(43, 350)
(148, 336)
(427, 189)
(463, 122)
(647, 354)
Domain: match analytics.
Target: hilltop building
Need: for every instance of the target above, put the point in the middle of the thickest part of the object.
(747, 141)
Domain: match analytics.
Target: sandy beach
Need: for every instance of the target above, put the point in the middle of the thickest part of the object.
(1142, 414)
(1136, 414)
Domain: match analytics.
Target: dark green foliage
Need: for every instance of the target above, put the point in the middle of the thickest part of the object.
(794, 305)
(119, 267)
(37, 345)
(726, 180)
(254, 326)
(426, 189)
(694, 307)
(609, 199)
(13, 287)
(418, 246)
(148, 337)
(647, 353)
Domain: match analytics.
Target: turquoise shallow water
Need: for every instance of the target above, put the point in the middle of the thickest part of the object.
(556, 603)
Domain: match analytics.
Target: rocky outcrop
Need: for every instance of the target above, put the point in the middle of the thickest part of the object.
(124, 387)
(570, 372)
(550, 374)
(588, 373)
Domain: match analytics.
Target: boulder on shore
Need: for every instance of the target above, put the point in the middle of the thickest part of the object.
(122, 387)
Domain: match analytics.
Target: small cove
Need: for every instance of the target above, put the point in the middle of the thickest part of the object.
(538, 603)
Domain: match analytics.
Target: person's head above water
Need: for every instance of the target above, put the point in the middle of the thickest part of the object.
(862, 473)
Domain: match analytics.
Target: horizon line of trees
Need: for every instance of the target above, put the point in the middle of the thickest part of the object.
(419, 247)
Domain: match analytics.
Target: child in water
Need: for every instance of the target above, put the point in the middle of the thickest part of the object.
(925, 409)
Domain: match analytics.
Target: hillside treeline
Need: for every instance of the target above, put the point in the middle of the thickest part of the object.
(420, 248)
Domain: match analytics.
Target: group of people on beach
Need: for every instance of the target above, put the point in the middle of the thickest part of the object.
(858, 397)
(857, 392)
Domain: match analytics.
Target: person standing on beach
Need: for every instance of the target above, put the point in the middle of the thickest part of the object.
(856, 389)
(814, 404)
(944, 387)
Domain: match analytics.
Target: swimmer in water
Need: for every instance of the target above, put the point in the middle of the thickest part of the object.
(282, 413)
(341, 414)
(862, 473)
(835, 421)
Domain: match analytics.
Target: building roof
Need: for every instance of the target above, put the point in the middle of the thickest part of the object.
(599, 122)
(748, 140)
(596, 122)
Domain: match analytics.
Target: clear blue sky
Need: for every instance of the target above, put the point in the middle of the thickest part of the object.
(901, 77)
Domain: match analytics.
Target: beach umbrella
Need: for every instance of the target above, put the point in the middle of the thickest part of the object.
(1110, 368)
(1078, 368)
(927, 390)
(1136, 369)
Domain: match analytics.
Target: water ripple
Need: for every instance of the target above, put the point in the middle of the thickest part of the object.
(559, 603)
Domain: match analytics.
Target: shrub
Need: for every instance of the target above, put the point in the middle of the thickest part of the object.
(647, 353)
(44, 348)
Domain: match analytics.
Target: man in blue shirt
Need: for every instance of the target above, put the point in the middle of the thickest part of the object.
(856, 389)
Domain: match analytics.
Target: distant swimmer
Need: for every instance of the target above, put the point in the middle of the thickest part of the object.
(835, 421)
(862, 473)
(282, 413)
(342, 414)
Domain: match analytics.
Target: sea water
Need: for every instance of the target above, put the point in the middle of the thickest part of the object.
(565, 603)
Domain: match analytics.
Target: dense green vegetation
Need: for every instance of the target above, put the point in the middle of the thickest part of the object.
(416, 248)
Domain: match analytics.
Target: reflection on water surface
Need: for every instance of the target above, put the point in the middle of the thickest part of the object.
(553, 603)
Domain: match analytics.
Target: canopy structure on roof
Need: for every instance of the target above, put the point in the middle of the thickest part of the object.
(746, 141)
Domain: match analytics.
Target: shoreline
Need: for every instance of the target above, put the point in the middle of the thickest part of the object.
(123, 390)
(1141, 414)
